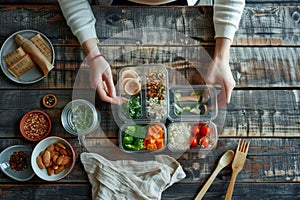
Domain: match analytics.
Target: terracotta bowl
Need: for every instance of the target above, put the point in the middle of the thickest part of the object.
(53, 168)
(35, 125)
(49, 100)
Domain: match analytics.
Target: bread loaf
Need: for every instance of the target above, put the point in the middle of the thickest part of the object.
(21, 67)
(35, 54)
(40, 43)
(14, 56)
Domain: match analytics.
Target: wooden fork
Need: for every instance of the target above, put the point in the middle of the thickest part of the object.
(237, 165)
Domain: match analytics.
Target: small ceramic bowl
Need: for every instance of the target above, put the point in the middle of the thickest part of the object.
(35, 125)
(56, 170)
(49, 101)
(15, 162)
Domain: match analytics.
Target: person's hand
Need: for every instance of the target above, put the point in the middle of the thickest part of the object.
(101, 78)
(219, 72)
(102, 81)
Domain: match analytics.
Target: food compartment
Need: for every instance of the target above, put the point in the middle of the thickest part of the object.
(145, 88)
(195, 136)
(142, 137)
(190, 103)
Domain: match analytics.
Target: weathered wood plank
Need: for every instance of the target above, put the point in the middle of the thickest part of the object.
(259, 26)
(263, 113)
(202, 2)
(110, 21)
(68, 61)
(27, 2)
(252, 113)
(272, 3)
(45, 191)
(241, 191)
(177, 191)
(265, 66)
(15, 103)
(41, 18)
(179, 19)
(256, 72)
(78, 174)
(276, 25)
(251, 66)
(268, 160)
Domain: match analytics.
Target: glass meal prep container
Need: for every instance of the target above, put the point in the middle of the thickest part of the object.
(143, 137)
(191, 111)
(146, 89)
(192, 102)
(201, 137)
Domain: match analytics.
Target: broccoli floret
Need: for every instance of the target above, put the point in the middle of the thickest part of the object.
(129, 147)
(139, 144)
(127, 139)
(130, 130)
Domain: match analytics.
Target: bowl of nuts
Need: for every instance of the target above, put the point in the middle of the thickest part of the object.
(35, 125)
(53, 158)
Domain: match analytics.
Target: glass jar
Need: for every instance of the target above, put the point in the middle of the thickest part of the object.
(79, 117)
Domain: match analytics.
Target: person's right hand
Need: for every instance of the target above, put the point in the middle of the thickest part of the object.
(219, 72)
(101, 78)
(102, 81)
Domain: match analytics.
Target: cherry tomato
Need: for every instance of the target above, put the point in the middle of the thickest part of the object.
(204, 142)
(195, 130)
(205, 130)
(201, 124)
(193, 142)
(199, 136)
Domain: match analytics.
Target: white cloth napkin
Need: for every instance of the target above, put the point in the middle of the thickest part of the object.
(129, 179)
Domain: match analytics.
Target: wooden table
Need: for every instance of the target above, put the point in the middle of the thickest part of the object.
(264, 107)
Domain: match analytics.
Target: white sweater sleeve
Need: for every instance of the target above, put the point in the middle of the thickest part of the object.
(227, 15)
(80, 18)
